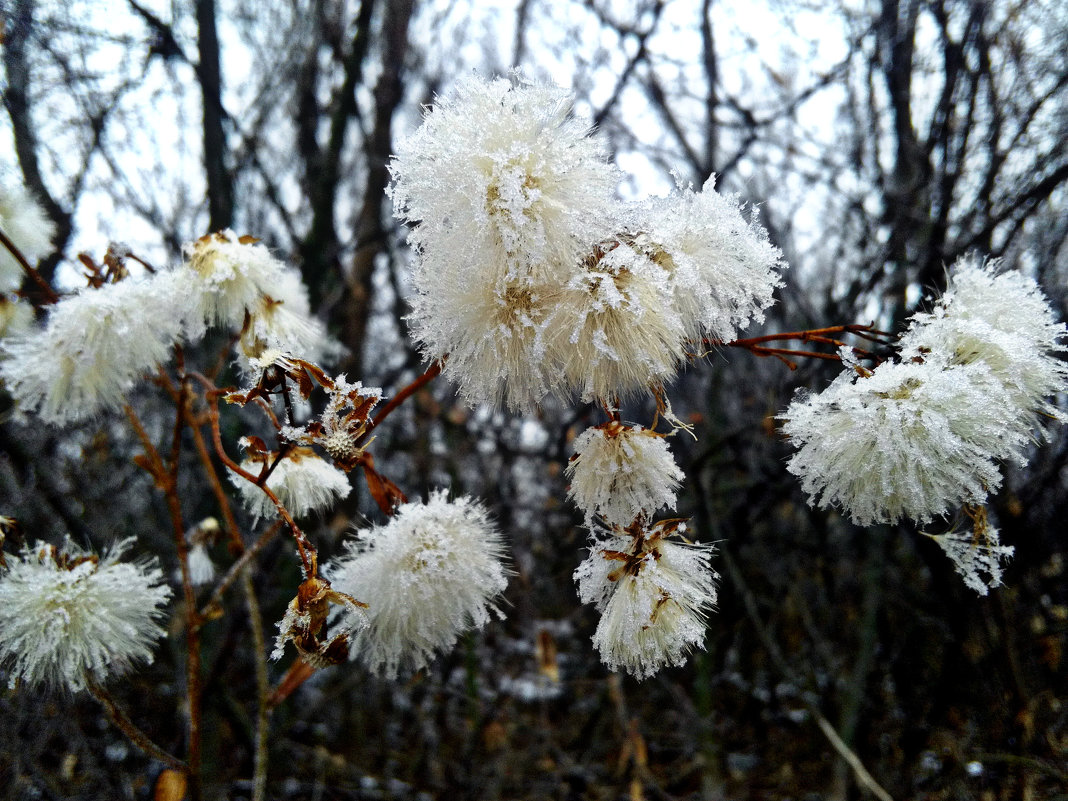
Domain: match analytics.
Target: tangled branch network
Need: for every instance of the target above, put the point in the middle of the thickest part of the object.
(531, 280)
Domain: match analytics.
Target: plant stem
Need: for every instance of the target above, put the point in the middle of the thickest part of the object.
(122, 722)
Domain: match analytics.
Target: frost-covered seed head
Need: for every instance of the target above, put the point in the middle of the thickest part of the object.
(501, 182)
(621, 473)
(93, 347)
(912, 440)
(66, 614)
(614, 329)
(28, 227)
(16, 317)
(303, 482)
(228, 275)
(431, 573)
(722, 266)
(977, 553)
(1004, 322)
(654, 596)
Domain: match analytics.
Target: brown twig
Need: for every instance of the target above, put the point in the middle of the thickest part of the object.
(431, 373)
(122, 722)
(263, 687)
(50, 295)
(215, 602)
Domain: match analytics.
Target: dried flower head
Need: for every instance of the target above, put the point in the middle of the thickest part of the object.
(977, 553)
(228, 275)
(431, 573)
(306, 616)
(622, 473)
(66, 614)
(654, 595)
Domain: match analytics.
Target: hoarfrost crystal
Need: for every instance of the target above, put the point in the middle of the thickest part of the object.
(431, 573)
(66, 614)
(976, 554)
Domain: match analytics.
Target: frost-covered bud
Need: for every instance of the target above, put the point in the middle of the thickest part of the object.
(614, 329)
(432, 572)
(912, 440)
(229, 276)
(654, 596)
(93, 347)
(28, 227)
(976, 553)
(621, 473)
(302, 481)
(66, 614)
(500, 182)
(722, 266)
(1004, 322)
(282, 320)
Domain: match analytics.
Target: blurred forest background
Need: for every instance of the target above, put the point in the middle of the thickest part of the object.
(882, 140)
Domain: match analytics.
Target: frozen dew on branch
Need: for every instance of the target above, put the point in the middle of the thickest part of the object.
(66, 614)
(434, 571)
(912, 440)
(1004, 321)
(227, 275)
(621, 473)
(722, 266)
(24, 222)
(302, 481)
(93, 347)
(654, 596)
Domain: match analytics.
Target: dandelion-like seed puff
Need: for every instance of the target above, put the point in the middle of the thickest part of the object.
(431, 573)
(67, 615)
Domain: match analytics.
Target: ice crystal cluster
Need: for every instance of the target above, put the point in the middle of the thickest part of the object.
(432, 572)
(24, 222)
(66, 614)
(922, 437)
(653, 594)
(535, 280)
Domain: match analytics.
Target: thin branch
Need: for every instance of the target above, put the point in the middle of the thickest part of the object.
(50, 295)
(122, 722)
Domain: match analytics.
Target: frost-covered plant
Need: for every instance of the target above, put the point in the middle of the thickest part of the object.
(621, 473)
(24, 222)
(433, 572)
(67, 614)
(302, 481)
(653, 594)
(912, 440)
(93, 347)
(976, 554)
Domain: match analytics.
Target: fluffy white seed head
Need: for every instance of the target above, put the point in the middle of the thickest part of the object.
(502, 182)
(1003, 321)
(94, 346)
(303, 482)
(654, 596)
(621, 473)
(614, 329)
(66, 614)
(16, 316)
(227, 275)
(723, 268)
(913, 440)
(282, 320)
(28, 227)
(431, 573)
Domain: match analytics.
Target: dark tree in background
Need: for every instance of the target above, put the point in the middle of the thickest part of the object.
(882, 140)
